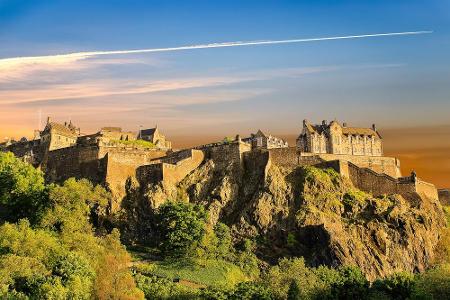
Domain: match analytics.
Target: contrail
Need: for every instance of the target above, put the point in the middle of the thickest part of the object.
(61, 58)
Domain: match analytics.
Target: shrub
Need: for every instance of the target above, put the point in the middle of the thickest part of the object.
(352, 284)
(433, 284)
(22, 189)
(251, 291)
(181, 226)
(397, 286)
(161, 288)
(280, 278)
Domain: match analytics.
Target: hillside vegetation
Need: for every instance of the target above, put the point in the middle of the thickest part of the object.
(221, 233)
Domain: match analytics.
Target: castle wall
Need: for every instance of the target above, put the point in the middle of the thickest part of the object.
(380, 184)
(150, 174)
(122, 163)
(75, 161)
(372, 182)
(171, 169)
(287, 157)
(174, 173)
(256, 160)
(223, 154)
(379, 164)
(427, 189)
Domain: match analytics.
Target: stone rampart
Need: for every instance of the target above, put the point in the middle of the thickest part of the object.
(174, 173)
(371, 181)
(171, 169)
(288, 157)
(122, 163)
(224, 154)
(427, 189)
(75, 161)
(379, 164)
(257, 160)
(379, 184)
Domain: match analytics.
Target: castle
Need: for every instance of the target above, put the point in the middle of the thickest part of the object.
(334, 138)
(111, 156)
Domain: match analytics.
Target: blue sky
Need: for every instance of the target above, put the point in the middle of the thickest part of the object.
(397, 81)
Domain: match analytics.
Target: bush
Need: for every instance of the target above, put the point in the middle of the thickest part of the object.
(181, 226)
(280, 278)
(251, 291)
(22, 189)
(397, 286)
(433, 284)
(73, 204)
(352, 284)
(161, 288)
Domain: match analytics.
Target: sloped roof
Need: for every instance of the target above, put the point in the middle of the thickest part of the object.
(149, 131)
(359, 131)
(316, 128)
(113, 129)
(260, 133)
(60, 128)
(345, 130)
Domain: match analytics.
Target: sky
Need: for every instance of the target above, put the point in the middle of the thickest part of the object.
(401, 82)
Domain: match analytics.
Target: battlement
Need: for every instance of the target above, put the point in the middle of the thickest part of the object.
(376, 175)
(226, 153)
(378, 184)
(171, 169)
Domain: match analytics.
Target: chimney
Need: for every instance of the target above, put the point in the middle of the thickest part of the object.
(374, 127)
(344, 124)
(305, 122)
(324, 122)
(48, 120)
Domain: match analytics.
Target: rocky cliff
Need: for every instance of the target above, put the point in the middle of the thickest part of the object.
(303, 211)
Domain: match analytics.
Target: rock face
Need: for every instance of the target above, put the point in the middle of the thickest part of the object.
(309, 212)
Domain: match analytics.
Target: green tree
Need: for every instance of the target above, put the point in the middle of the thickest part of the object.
(114, 279)
(73, 205)
(433, 284)
(279, 278)
(22, 189)
(224, 241)
(246, 258)
(352, 284)
(251, 291)
(294, 291)
(397, 286)
(181, 226)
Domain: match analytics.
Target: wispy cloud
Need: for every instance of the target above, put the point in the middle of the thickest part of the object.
(11, 66)
(47, 93)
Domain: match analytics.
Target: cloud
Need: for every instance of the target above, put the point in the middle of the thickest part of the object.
(15, 66)
(51, 92)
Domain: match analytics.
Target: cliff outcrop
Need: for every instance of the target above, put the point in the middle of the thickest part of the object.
(305, 211)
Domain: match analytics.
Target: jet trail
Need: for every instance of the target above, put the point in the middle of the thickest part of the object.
(70, 57)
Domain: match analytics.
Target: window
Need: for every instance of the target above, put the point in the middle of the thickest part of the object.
(259, 142)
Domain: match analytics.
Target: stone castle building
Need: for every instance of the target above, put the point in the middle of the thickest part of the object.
(110, 157)
(154, 136)
(59, 136)
(265, 141)
(334, 138)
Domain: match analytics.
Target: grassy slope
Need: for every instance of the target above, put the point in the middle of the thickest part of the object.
(204, 272)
